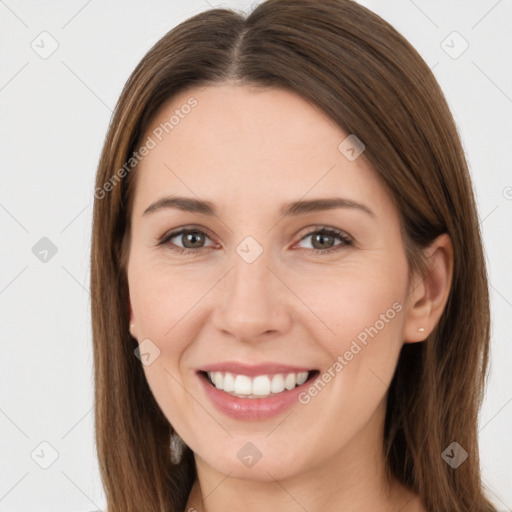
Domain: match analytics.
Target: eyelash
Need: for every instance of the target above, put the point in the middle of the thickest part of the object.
(345, 240)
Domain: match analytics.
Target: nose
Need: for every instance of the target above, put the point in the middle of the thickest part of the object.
(253, 302)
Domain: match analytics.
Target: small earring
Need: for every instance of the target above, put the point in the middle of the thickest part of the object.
(421, 329)
(131, 328)
(177, 448)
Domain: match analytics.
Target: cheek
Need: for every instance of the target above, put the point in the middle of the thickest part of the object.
(163, 309)
(341, 313)
(163, 300)
(356, 303)
(343, 304)
(363, 308)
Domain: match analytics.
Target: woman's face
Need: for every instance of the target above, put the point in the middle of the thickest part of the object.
(260, 294)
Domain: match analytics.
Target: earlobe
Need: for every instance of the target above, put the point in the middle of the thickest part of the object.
(132, 320)
(429, 293)
(131, 311)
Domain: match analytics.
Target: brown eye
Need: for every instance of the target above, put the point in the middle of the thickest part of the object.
(191, 239)
(323, 240)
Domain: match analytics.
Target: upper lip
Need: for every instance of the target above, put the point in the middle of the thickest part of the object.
(252, 370)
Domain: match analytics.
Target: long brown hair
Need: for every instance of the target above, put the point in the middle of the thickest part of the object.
(365, 76)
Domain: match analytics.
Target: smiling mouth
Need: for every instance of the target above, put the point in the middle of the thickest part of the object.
(259, 386)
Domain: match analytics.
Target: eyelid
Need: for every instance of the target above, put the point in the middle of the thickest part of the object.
(345, 238)
(179, 231)
(310, 230)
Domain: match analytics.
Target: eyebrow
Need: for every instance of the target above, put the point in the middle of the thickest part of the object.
(295, 208)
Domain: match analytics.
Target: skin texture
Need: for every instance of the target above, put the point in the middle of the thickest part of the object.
(249, 150)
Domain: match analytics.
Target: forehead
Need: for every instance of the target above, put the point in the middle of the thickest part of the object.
(238, 143)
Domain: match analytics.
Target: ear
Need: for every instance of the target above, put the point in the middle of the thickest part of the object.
(428, 293)
(132, 320)
(131, 311)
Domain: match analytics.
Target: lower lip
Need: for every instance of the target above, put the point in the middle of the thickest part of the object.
(251, 409)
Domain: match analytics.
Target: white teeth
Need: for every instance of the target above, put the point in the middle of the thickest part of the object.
(218, 380)
(302, 377)
(243, 385)
(277, 385)
(229, 382)
(259, 386)
(290, 381)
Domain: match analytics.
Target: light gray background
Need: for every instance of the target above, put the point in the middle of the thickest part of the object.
(54, 116)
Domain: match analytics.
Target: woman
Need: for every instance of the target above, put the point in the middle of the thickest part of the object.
(290, 305)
